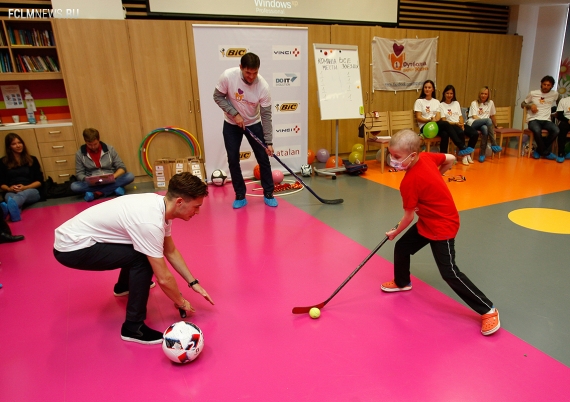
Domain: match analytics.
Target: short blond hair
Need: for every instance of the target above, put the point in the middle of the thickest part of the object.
(406, 140)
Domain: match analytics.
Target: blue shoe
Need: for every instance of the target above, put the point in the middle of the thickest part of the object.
(271, 202)
(240, 203)
(482, 158)
(89, 196)
(13, 210)
(560, 159)
(567, 155)
(119, 191)
(535, 155)
(465, 151)
(550, 157)
(496, 148)
(4, 208)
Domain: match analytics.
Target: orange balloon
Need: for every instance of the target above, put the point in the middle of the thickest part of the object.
(256, 173)
(331, 162)
(310, 157)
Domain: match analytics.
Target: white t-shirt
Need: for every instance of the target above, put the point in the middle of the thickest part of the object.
(564, 106)
(543, 102)
(481, 110)
(136, 219)
(245, 98)
(450, 111)
(428, 108)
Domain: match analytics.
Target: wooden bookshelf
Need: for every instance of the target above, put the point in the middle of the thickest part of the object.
(28, 50)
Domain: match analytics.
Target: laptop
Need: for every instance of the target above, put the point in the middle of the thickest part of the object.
(99, 180)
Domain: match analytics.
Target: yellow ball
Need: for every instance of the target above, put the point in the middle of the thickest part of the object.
(135, 187)
(315, 312)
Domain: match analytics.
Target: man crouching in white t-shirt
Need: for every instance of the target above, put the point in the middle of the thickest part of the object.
(133, 233)
(244, 97)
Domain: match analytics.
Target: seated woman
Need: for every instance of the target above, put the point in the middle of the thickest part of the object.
(482, 118)
(450, 111)
(20, 177)
(426, 109)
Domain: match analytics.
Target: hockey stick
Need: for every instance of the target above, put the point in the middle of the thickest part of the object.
(303, 310)
(337, 201)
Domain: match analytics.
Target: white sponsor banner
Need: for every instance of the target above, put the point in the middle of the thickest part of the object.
(286, 80)
(284, 65)
(287, 130)
(403, 64)
(289, 52)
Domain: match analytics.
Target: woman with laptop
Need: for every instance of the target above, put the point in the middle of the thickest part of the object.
(99, 170)
(21, 178)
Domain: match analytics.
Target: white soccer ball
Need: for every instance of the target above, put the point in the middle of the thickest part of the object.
(306, 170)
(219, 177)
(183, 342)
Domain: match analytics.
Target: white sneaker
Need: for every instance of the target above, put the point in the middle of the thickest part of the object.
(469, 159)
(465, 161)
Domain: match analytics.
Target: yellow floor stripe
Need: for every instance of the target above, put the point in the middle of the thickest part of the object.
(542, 219)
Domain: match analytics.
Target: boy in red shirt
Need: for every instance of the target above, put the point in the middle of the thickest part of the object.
(425, 193)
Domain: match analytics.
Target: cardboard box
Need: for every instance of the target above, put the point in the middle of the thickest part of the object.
(180, 165)
(161, 174)
(196, 167)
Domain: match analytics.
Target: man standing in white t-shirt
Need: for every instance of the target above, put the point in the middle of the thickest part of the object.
(539, 105)
(133, 233)
(244, 97)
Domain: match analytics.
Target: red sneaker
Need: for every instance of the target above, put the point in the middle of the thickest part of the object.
(392, 287)
(490, 323)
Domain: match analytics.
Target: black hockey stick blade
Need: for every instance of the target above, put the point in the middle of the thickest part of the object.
(303, 310)
(324, 201)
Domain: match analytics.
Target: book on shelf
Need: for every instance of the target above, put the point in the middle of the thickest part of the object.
(30, 37)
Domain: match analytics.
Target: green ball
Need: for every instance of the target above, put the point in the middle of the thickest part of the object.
(315, 312)
(567, 148)
(430, 129)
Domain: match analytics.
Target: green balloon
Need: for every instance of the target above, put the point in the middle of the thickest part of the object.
(430, 130)
(355, 157)
(358, 148)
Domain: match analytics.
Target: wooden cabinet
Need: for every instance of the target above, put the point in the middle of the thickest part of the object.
(27, 134)
(98, 73)
(54, 146)
(28, 50)
(57, 147)
(161, 67)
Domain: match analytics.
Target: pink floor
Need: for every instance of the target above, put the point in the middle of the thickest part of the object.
(59, 328)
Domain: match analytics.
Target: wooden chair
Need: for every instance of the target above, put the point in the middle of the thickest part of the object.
(427, 141)
(376, 134)
(504, 119)
(529, 133)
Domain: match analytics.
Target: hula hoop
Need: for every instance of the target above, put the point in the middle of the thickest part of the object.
(145, 144)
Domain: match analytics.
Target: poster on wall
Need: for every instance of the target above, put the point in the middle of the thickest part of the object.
(12, 96)
(284, 64)
(403, 64)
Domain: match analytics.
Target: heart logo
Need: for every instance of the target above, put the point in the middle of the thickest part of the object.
(240, 91)
(398, 49)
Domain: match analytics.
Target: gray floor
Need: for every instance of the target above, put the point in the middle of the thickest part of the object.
(524, 272)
